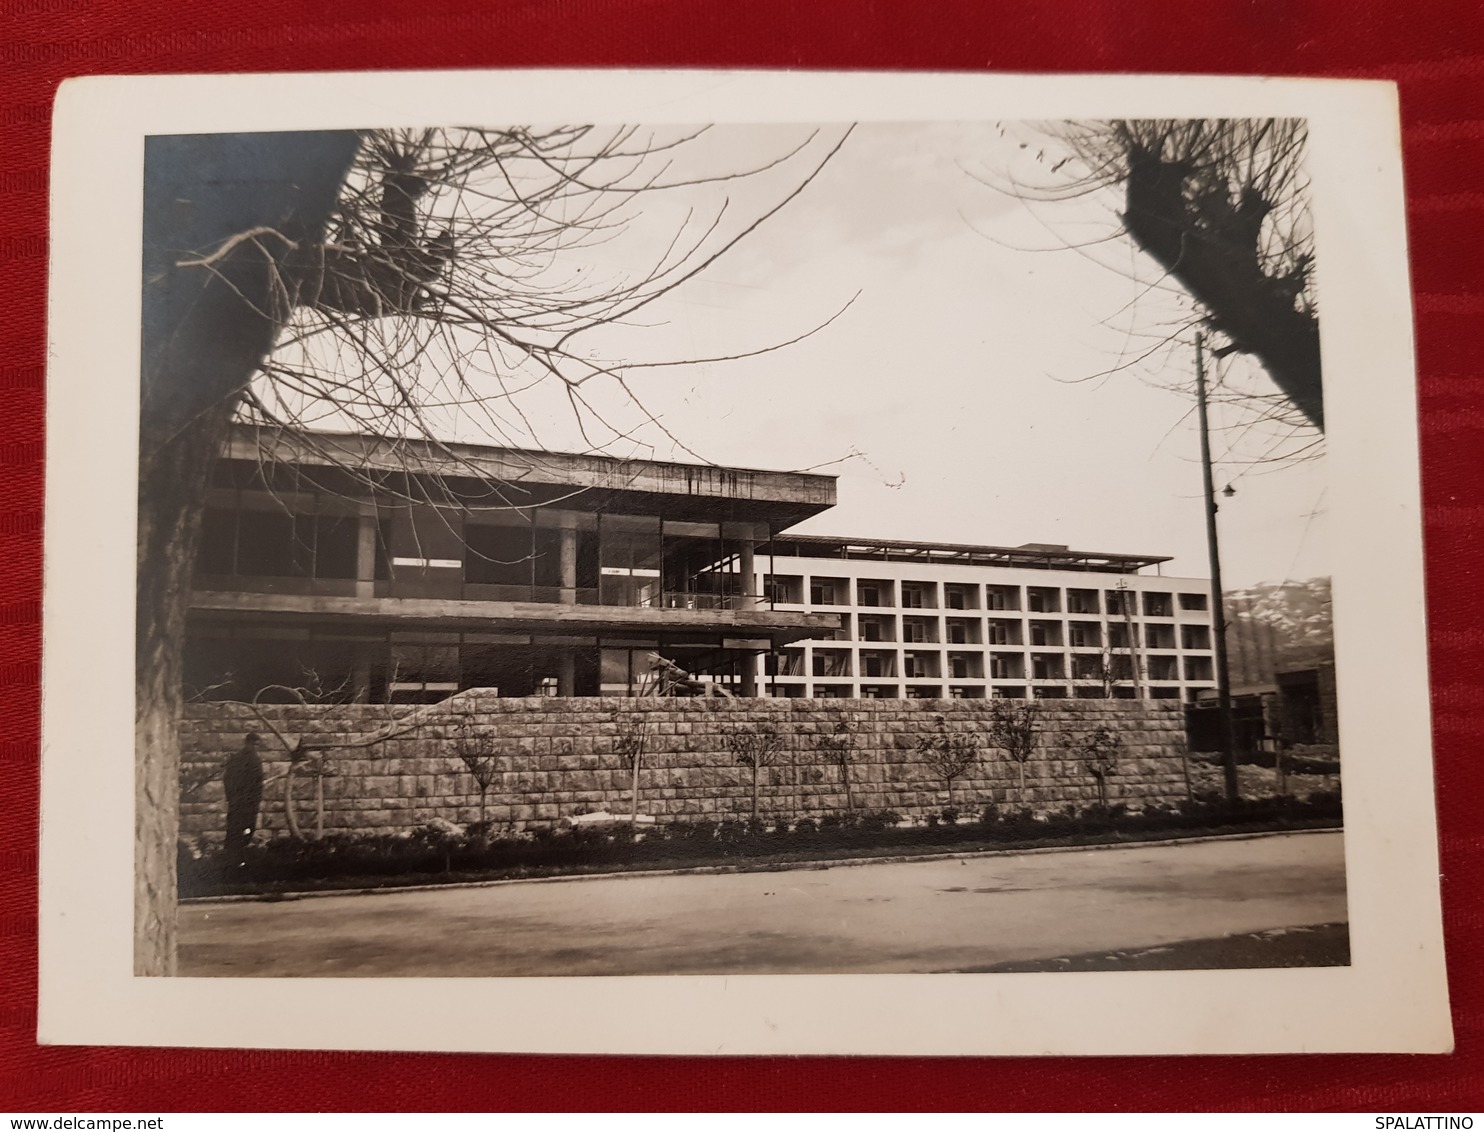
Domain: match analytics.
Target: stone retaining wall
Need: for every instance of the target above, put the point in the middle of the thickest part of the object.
(557, 758)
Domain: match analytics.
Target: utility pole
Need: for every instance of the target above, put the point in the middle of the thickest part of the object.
(1218, 604)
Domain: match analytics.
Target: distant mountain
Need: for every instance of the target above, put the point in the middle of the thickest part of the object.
(1275, 626)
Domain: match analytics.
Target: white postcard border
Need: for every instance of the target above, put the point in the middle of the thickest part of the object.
(1393, 996)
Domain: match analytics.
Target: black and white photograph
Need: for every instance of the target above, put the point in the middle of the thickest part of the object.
(574, 548)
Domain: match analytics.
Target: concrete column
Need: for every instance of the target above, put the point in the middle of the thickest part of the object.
(569, 569)
(366, 555)
(748, 687)
(748, 570)
(747, 566)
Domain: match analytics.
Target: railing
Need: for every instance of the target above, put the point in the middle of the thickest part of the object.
(455, 589)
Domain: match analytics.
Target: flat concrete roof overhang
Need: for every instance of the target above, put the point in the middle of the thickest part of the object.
(1040, 556)
(700, 492)
(447, 615)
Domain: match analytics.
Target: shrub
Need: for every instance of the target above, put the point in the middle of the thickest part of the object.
(879, 819)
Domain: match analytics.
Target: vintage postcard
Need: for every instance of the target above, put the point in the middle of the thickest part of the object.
(690, 562)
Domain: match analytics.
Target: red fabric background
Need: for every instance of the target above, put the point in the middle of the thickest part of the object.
(1434, 50)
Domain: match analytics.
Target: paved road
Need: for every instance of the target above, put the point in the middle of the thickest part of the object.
(915, 916)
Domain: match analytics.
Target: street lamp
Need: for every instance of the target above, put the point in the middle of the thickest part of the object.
(1218, 604)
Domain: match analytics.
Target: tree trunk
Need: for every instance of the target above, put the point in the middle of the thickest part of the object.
(1020, 767)
(171, 492)
(204, 335)
(845, 778)
(634, 794)
(1222, 271)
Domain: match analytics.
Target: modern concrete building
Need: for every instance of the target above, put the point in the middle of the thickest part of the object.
(371, 569)
(361, 568)
(928, 620)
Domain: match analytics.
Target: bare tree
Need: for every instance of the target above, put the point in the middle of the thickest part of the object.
(948, 753)
(476, 750)
(1015, 727)
(1222, 208)
(629, 745)
(754, 747)
(838, 746)
(1099, 750)
(384, 282)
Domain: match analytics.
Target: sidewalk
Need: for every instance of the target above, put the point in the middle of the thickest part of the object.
(915, 916)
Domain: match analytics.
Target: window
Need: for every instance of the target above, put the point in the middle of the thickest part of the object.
(336, 546)
(924, 692)
(1195, 602)
(630, 561)
(919, 595)
(1198, 668)
(1087, 666)
(1048, 666)
(1082, 601)
(273, 544)
(423, 673)
(784, 589)
(877, 628)
(1158, 605)
(1007, 666)
(1004, 597)
(1119, 602)
(832, 691)
(1164, 693)
(917, 665)
(831, 662)
(266, 546)
(920, 630)
(1046, 633)
(1159, 636)
(878, 665)
(1084, 634)
(786, 662)
(497, 556)
(1043, 599)
(217, 553)
(1195, 636)
(966, 665)
(874, 592)
(963, 631)
(1096, 692)
(1007, 692)
(1051, 693)
(826, 591)
(969, 692)
(1164, 668)
(1004, 632)
(1117, 635)
(840, 634)
(961, 596)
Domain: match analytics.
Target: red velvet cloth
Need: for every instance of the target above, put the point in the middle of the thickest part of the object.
(1435, 50)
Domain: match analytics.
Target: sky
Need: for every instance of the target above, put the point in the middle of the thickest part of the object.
(982, 368)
